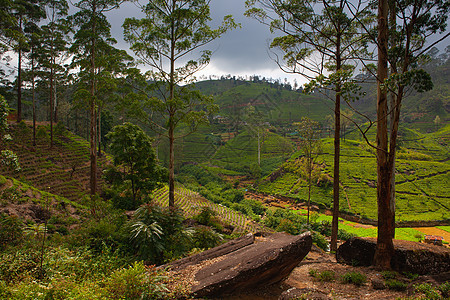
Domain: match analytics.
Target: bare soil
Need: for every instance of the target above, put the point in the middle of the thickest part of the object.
(321, 261)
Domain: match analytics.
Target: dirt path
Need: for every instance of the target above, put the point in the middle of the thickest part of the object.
(434, 231)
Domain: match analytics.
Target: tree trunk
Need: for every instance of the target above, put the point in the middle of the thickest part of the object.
(51, 105)
(337, 153)
(171, 115)
(171, 165)
(385, 247)
(19, 79)
(34, 101)
(393, 107)
(93, 152)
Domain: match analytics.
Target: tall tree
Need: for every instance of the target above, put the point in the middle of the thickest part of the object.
(170, 32)
(256, 126)
(321, 41)
(26, 12)
(401, 45)
(93, 34)
(311, 147)
(53, 50)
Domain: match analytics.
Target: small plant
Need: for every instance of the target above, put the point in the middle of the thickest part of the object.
(445, 289)
(396, 285)
(355, 278)
(312, 272)
(410, 275)
(429, 291)
(323, 276)
(389, 275)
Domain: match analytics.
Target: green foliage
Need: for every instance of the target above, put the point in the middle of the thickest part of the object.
(389, 274)
(429, 291)
(355, 278)
(11, 231)
(396, 285)
(156, 232)
(42, 134)
(136, 282)
(60, 129)
(135, 173)
(205, 237)
(323, 276)
(205, 216)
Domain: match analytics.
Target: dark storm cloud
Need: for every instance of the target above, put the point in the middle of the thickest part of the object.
(241, 51)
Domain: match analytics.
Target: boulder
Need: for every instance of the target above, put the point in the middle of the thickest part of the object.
(413, 257)
(266, 261)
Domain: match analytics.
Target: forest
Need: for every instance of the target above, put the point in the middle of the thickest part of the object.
(114, 162)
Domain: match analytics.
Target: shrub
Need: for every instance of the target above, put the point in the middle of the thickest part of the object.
(445, 289)
(389, 274)
(42, 134)
(60, 129)
(428, 290)
(344, 235)
(320, 241)
(355, 278)
(325, 276)
(11, 231)
(205, 237)
(205, 216)
(394, 284)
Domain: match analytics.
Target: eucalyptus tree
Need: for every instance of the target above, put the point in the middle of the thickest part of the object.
(34, 37)
(321, 41)
(53, 51)
(402, 44)
(25, 12)
(256, 126)
(93, 33)
(172, 32)
(311, 147)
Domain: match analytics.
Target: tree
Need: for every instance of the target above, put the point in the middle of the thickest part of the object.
(401, 45)
(171, 31)
(7, 157)
(52, 51)
(311, 147)
(135, 170)
(321, 41)
(437, 122)
(93, 34)
(257, 127)
(26, 12)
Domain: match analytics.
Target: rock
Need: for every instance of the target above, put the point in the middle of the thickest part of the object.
(306, 293)
(268, 260)
(223, 249)
(378, 284)
(356, 252)
(412, 257)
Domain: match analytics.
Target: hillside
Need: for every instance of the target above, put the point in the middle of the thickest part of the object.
(422, 177)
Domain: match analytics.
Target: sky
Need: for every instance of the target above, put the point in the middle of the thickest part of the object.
(241, 52)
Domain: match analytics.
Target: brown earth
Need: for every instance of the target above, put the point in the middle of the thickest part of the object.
(322, 261)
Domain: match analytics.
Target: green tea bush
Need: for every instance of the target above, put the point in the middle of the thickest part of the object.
(344, 235)
(355, 278)
(60, 129)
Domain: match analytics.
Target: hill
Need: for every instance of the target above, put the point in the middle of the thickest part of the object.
(422, 177)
